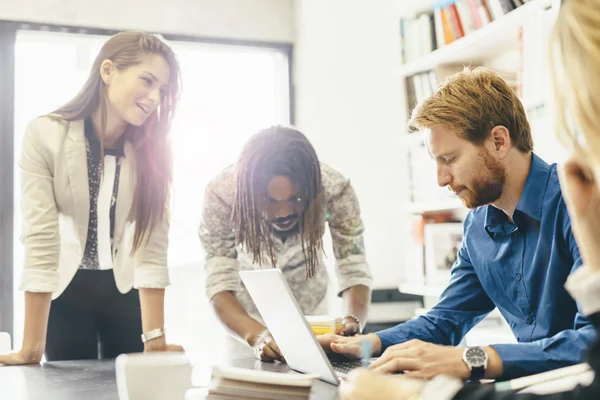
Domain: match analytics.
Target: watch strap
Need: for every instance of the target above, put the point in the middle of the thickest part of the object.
(153, 334)
(477, 373)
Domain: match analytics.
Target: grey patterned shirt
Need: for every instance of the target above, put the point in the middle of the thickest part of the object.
(224, 258)
(90, 256)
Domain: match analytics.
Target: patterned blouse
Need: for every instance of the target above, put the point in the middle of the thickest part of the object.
(90, 256)
(225, 258)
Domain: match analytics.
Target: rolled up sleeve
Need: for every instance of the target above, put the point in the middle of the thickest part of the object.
(151, 266)
(40, 233)
(221, 268)
(346, 227)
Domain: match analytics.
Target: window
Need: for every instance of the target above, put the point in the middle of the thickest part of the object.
(229, 93)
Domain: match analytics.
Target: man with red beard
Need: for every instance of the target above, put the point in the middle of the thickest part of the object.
(517, 252)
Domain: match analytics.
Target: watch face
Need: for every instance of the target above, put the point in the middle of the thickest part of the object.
(476, 356)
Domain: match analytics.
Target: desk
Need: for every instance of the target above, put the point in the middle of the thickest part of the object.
(95, 379)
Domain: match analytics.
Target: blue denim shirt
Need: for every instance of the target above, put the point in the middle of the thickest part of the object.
(521, 268)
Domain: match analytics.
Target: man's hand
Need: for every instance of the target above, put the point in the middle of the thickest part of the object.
(351, 328)
(265, 348)
(582, 196)
(362, 384)
(349, 347)
(422, 360)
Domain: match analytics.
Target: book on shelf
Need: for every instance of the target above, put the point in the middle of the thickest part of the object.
(240, 383)
(448, 21)
(422, 85)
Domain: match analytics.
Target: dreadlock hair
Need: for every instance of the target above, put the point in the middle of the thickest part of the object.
(278, 151)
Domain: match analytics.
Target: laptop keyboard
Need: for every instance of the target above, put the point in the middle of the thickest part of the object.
(343, 367)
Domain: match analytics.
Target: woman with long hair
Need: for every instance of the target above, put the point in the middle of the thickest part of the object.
(95, 184)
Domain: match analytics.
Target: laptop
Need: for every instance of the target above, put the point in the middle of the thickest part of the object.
(284, 319)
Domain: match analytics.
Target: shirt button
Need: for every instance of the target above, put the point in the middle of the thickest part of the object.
(529, 320)
(519, 277)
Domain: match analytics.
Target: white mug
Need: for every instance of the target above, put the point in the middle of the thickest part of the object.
(153, 376)
(5, 346)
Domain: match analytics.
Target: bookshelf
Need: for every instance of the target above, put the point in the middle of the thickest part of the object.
(511, 44)
(483, 44)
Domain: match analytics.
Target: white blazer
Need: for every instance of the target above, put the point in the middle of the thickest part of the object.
(56, 207)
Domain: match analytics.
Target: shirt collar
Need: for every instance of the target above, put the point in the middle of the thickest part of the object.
(531, 201)
(95, 143)
(532, 198)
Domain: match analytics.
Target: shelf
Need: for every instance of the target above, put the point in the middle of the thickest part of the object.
(479, 45)
(434, 206)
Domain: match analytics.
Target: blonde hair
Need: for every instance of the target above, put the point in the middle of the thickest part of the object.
(471, 103)
(575, 53)
(150, 141)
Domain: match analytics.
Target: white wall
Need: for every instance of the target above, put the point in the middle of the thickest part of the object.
(348, 102)
(268, 20)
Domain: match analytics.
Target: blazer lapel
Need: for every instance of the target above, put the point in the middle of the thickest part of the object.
(76, 157)
(126, 191)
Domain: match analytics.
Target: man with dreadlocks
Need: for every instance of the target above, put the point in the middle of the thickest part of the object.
(269, 210)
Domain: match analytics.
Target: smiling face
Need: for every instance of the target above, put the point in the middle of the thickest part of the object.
(469, 170)
(283, 204)
(135, 92)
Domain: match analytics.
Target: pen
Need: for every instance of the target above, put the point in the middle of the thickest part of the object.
(366, 351)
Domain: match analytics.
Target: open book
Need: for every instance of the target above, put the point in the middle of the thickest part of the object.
(558, 380)
(239, 383)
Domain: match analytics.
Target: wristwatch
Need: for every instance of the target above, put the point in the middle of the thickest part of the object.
(477, 360)
(153, 334)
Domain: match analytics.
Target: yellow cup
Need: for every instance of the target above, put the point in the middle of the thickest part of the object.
(322, 324)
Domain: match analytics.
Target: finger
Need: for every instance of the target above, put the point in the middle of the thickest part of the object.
(264, 357)
(416, 374)
(350, 330)
(404, 345)
(273, 345)
(380, 361)
(327, 339)
(346, 349)
(13, 359)
(390, 354)
(397, 364)
(175, 347)
(7, 359)
(269, 352)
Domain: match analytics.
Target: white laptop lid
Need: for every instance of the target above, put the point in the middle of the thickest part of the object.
(284, 319)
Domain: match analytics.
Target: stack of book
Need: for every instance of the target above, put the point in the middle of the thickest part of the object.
(246, 384)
